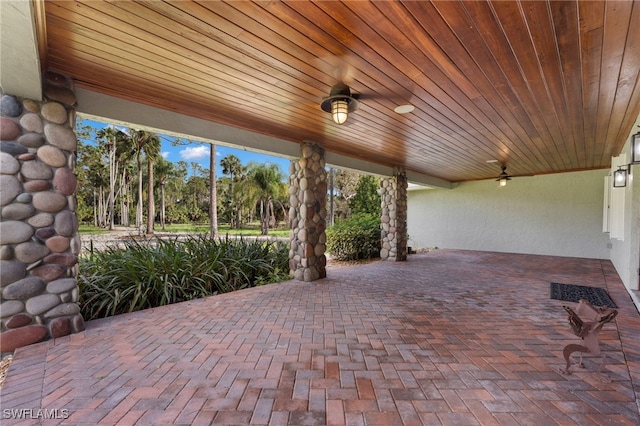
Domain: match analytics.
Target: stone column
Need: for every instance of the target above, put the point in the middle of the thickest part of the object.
(39, 240)
(393, 193)
(308, 213)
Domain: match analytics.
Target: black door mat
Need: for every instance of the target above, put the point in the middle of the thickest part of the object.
(573, 293)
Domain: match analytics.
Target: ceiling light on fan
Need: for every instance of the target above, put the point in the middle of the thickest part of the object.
(503, 177)
(339, 103)
(339, 110)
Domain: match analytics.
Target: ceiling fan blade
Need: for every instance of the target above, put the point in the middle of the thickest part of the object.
(336, 67)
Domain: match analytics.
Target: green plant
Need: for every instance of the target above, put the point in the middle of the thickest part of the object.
(366, 200)
(357, 237)
(161, 272)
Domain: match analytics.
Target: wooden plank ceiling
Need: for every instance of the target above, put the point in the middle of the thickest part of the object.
(543, 86)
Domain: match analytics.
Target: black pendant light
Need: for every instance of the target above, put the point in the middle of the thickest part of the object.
(503, 177)
(339, 103)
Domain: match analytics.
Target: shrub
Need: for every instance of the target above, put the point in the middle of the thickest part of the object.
(357, 237)
(161, 272)
(366, 200)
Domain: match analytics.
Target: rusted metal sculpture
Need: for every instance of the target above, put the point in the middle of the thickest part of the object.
(586, 321)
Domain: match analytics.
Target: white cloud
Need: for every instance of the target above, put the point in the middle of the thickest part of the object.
(122, 129)
(165, 154)
(194, 153)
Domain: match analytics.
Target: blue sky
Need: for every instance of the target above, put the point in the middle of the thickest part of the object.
(199, 152)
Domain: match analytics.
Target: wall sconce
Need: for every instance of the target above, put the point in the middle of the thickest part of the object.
(635, 148)
(339, 103)
(620, 178)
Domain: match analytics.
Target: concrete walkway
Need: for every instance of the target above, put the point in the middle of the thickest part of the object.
(448, 337)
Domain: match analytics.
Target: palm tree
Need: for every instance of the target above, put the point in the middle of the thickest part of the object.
(91, 166)
(231, 166)
(124, 191)
(149, 144)
(112, 139)
(151, 152)
(213, 196)
(268, 181)
(197, 188)
(165, 171)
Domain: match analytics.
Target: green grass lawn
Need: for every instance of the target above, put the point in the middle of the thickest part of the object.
(223, 229)
(90, 229)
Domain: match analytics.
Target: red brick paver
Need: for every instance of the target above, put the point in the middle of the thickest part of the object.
(449, 337)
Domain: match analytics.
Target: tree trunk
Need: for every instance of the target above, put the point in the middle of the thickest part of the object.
(271, 215)
(113, 176)
(101, 208)
(139, 206)
(124, 195)
(95, 209)
(151, 207)
(213, 196)
(264, 217)
(331, 196)
(235, 210)
(163, 206)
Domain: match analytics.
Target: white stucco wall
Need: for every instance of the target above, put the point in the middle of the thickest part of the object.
(558, 214)
(20, 70)
(625, 252)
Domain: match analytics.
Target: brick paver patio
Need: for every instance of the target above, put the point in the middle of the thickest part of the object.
(448, 337)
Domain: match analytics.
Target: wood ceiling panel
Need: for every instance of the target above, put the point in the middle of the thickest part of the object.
(154, 55)
(564, 16)
(615, 87)
(592, 35)
(410, 58)
(518, 33)
(544, 86)
(482, 51)
(317, 53)
(617, 20)
(629, 85)
(485, 41)
(437, 102)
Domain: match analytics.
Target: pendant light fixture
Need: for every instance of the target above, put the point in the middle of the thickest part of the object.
(339, 103)
(503, 177)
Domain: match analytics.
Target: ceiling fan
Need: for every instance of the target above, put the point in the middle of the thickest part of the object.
(342, 101)
(504, 177)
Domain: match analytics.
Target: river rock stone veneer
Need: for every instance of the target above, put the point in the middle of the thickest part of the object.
(39, 240)
(308, 214)
(393, 194)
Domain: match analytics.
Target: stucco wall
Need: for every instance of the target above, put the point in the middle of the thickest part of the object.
(625, 253)
(559, 215)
